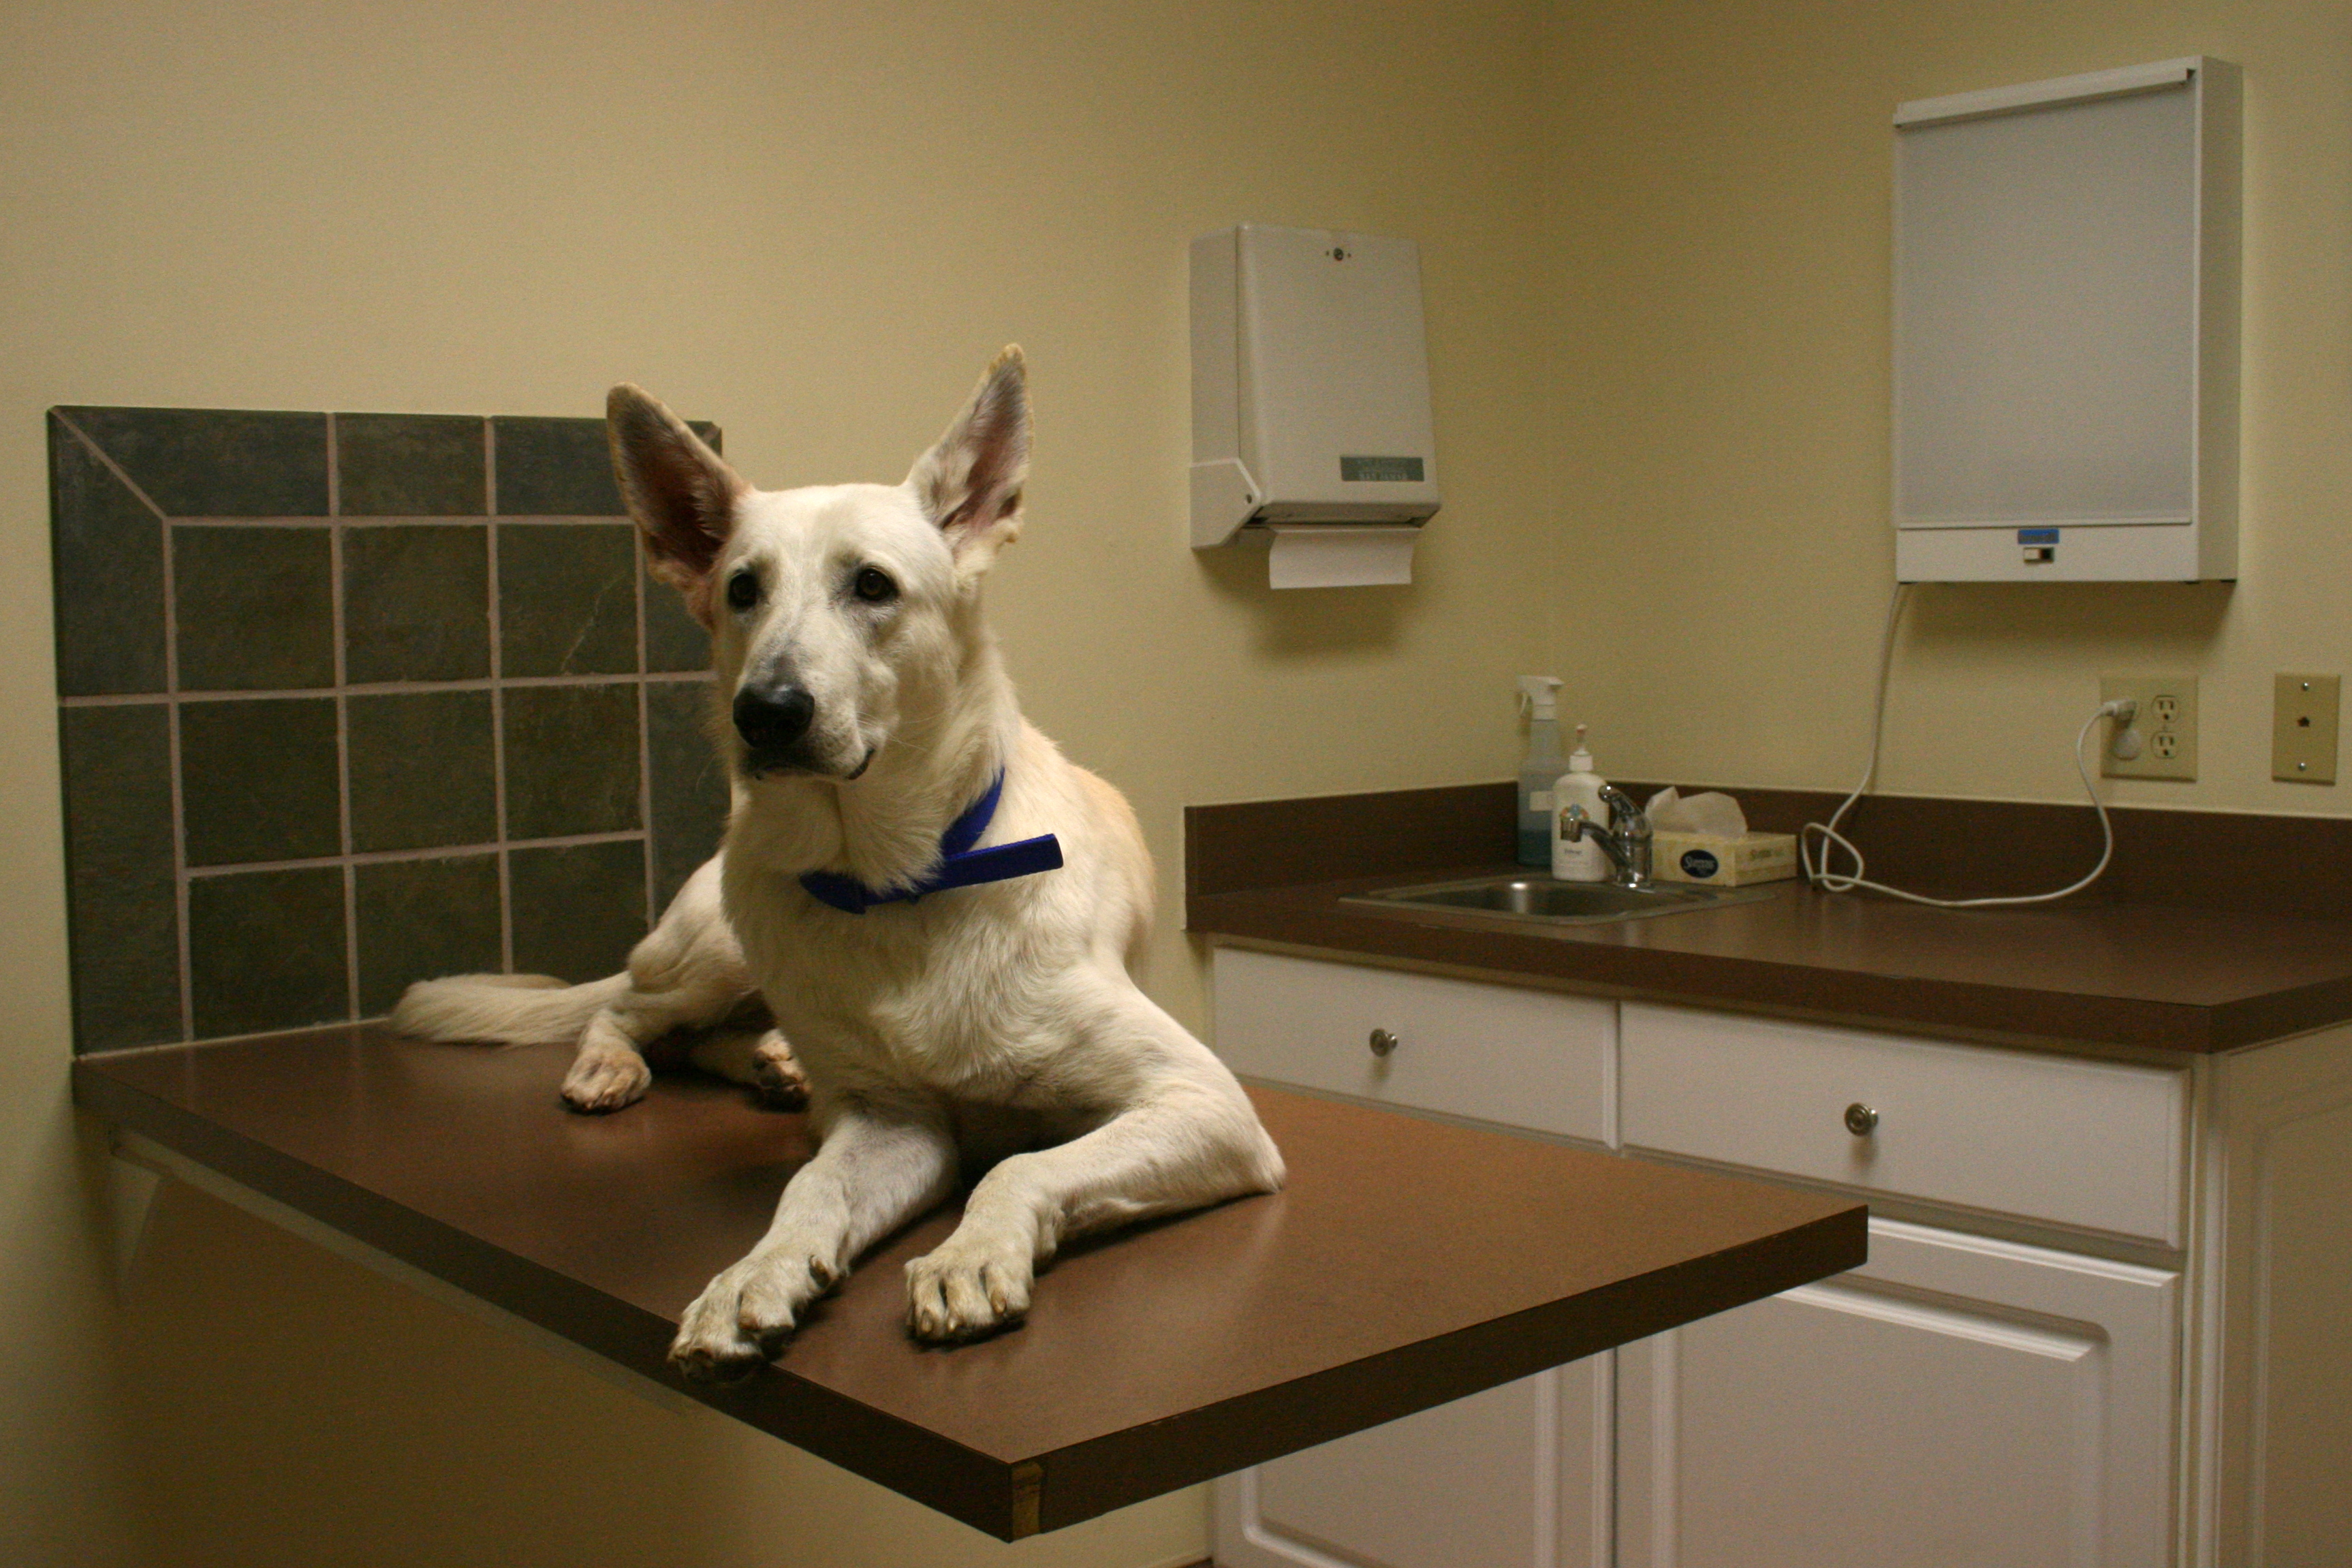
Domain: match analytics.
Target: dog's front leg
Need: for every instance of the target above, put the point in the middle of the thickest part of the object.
(1188, 1138)
(877, 1168)
(688, 971)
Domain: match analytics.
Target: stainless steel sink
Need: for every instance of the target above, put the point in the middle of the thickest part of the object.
(1538, 899)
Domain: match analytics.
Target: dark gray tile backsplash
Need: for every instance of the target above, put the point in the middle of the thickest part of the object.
(256, 607)
(410, 465)
(689, 781)
(423, 769)
(554, 468)
(572, 760)
(260, 780)
(121, 874)
(267, 950)
(417, 600)
(351, 700)
(675, 640)
(216, 462)
(568, 598)
(107, 550)
(576, 904)
(417, 917)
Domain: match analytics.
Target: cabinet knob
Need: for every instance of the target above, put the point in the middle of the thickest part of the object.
(1383, 1042)
(1861, 1119)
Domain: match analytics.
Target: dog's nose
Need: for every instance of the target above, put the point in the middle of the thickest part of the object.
(773, 720)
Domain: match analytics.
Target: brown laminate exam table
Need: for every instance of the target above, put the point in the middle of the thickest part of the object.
(1408, 1263)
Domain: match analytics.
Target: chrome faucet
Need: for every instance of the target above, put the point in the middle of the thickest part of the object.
(1627, 838)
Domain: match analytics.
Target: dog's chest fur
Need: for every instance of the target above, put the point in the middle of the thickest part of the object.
(902, 992)
(963, 996)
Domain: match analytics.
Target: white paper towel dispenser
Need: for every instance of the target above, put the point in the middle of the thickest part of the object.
(1310, 400)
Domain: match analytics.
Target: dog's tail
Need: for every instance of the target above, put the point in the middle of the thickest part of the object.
(505, 1009)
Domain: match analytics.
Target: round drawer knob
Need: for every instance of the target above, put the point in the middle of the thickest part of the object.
(1383, 1042)
(1861, 1119)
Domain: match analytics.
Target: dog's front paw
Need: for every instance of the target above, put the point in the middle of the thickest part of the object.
(600, 1082)
(743, 1317)
(969, 1286)
(778, 1072)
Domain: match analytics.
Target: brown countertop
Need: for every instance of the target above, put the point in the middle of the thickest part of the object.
(2115, 972)
(1407, 1264)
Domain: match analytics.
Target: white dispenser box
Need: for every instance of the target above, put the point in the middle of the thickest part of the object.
(1310, 400)
(2066, 329)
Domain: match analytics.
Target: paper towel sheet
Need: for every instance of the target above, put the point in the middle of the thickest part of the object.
(1339, 555)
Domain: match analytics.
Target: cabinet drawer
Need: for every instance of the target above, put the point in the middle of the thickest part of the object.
(2078, 1143)
(1524, 1058)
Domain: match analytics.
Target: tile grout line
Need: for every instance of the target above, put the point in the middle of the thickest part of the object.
(180, 884)
(422, 519)
(338, 620)
(376, 689)
(171, 729)
(497, 695)
(428, 852)
(645, 728)
(244, 1036)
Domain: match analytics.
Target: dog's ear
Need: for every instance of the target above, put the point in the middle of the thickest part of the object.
(970, 484)
(680, 490)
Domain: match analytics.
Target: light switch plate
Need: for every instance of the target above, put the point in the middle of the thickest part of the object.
(2303, 728)
(2164, 726)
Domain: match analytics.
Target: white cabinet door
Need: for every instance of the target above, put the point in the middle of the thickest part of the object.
(1955, 1402)
(1517, 1477)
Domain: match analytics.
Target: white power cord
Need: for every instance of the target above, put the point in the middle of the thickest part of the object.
(1829, 881)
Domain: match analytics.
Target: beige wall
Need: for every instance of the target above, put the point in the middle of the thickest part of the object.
(1655, 239)
(1718, 238)
(813, 223)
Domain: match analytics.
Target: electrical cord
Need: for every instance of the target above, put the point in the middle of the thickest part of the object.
(1829, 882)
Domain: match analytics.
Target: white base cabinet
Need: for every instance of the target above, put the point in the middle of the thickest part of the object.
(1518, 1477)
(1956, 1401)
(2109, 1332)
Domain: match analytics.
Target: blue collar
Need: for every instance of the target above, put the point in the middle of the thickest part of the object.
(959, 865)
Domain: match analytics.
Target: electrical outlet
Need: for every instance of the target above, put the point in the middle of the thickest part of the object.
(2303, 728)
(2160, 743)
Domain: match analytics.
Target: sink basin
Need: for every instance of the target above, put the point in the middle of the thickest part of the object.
(1539, 899)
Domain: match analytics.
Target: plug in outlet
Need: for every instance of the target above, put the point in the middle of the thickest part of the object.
(2160, 741)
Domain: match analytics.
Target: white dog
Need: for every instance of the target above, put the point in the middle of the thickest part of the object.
(938, 908)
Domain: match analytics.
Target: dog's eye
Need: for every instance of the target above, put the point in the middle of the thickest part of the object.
(743, 590)
(873, 585)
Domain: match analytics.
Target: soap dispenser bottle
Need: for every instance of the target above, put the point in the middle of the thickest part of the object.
(1539, 701)
(1581, 859)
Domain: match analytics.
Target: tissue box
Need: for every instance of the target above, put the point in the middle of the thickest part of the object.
(1721, 862)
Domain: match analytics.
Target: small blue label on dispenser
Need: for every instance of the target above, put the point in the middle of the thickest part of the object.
(1698, 865)
(2037, 536)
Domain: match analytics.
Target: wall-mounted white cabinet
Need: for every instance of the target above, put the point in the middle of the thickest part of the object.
(2103, 1329)
(2066, 329)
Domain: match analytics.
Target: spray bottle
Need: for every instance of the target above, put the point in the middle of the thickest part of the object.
(1539, 701)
